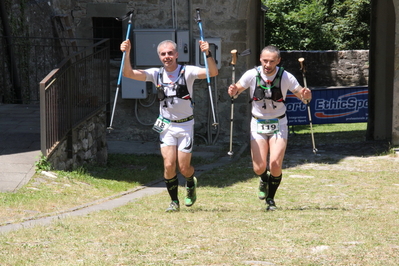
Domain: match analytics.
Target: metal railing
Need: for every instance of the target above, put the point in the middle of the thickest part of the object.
(77, 89)
(27, 60)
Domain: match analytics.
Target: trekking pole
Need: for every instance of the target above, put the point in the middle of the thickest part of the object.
(233, 63)
(128, 15)
(233, 81)
(301, 60)
(198, 19)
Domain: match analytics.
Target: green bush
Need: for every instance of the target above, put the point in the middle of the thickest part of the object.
(318, 24)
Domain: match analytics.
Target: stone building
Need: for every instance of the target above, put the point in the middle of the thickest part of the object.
(228, 25)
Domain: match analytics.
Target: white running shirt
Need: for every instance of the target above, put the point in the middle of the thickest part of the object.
(180, 108)
(288, 82)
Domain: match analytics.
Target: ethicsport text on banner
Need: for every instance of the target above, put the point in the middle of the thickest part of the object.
(330, 106)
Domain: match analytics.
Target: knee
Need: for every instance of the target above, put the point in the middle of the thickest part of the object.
(275, 165)
(259, 168)
(169, 166)
(275, 168)
(186, 170)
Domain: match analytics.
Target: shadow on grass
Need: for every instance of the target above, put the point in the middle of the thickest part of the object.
(132, 168)
(315, 208)
(332, 148)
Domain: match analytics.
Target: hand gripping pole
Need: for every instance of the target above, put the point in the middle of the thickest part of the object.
(303, 70)
(198, 19)
(129, 25)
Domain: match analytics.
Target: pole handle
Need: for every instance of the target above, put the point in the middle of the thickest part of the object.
(233, 57)
(301, 60)
(198, 19)
(128, 15)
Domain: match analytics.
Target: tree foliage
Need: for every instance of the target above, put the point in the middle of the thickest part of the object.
(318, 24)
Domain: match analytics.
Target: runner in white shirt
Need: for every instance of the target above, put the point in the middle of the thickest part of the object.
(268, 85)
(175, 123)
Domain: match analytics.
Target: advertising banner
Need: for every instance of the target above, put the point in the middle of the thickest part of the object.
(330, 106)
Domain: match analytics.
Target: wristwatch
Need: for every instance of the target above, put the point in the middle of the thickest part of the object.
(209, 54)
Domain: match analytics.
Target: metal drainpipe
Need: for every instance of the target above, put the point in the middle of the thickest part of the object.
(372, 71)
(10, 54)
(190, 32)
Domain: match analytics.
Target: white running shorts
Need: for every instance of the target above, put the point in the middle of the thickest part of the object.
(282, 133)
(180, 135)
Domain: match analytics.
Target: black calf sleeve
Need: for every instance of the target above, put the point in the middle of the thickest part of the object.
(190, 181)
(172, 186)
(264, 177)
(274, 183)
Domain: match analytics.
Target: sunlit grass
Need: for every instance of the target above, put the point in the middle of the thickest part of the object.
(324, 218)
(332, 210)
(59, 191)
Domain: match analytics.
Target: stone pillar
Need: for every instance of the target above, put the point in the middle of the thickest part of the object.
(395, 108)
(381, 78)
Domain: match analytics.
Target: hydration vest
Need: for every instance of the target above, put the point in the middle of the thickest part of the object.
(179, 86)
(271, 91)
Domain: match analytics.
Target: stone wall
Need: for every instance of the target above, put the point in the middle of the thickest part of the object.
(89, 145)
(329, 68)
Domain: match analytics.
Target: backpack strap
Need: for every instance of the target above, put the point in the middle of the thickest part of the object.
(277, 78)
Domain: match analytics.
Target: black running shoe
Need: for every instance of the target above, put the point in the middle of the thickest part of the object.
(173, 207)
(271, 205)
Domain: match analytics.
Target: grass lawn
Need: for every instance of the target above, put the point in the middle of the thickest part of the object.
(339, 207)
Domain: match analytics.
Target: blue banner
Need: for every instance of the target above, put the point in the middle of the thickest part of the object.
(330, 106)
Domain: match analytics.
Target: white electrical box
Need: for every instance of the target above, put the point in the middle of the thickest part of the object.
(135, 89)
(183, 46)
(215, 48)
(146, 43)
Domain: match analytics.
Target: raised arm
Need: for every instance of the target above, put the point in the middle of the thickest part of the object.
(213, 69)
(128, 71)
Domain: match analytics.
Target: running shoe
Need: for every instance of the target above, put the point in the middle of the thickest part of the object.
(271, 205)
(191, 196)
(262, 190)
(173, 207)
